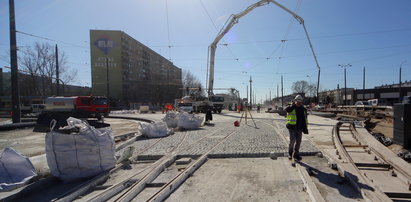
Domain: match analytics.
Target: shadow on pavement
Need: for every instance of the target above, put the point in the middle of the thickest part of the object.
(337, 182)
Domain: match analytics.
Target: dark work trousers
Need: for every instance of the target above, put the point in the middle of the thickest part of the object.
(295, 142)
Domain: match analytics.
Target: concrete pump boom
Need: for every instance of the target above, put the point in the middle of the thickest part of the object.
(232, 20)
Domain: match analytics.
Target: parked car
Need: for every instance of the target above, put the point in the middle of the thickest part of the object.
(319, 107)
(406, 100)
(37, 108)
(361, 103)
(377, 102)
(186, 107)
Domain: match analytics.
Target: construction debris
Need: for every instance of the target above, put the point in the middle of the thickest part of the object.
(381, 138)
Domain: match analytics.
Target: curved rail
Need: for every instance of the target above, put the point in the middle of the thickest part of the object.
(366, 168)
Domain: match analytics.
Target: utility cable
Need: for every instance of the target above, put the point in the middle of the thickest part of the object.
(215, 26)
(49, 39)
(168, 32)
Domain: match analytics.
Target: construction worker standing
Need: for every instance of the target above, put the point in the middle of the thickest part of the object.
(296, 124)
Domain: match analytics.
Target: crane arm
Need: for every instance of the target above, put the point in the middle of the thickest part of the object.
(231, 21)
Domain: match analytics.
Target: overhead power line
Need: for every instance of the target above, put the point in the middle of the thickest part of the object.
(49, 39)
(215, 26)
(168, 33)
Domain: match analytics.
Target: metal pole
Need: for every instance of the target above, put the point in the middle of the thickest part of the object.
(318, 84)
(282, 92)
(57, 71)
(278, 91)
(363, 84)
(168, 83)
(345, 81)
(399, 87)
(14, 69)
(108, 82)
(345, 86)
(251, 94)
(247, 94)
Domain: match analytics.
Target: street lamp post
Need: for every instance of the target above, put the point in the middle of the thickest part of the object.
(345, 80)
(399, 84)
(309, 83)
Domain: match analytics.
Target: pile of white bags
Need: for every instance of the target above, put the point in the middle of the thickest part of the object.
(158, 129)
(171, 119)
(83, 153)
(189, 121)
(15, 170)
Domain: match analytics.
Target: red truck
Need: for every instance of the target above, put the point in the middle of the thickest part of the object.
(60, 108)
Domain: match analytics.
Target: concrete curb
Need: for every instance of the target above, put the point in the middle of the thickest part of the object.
(12, 126)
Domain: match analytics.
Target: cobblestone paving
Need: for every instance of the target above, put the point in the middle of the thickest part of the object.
(246, 141)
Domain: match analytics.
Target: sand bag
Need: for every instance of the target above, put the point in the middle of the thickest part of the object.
(171, 119)
(189, 121)
(15, 170)
(158, 129)
(79, 150)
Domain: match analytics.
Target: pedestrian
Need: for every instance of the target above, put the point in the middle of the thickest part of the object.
(258, 108)
(209, 115)
(296, 124)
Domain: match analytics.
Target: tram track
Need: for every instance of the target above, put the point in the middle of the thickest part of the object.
(375, 176)
(139, 178)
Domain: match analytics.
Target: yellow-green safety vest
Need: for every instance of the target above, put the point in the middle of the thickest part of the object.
(292, 117)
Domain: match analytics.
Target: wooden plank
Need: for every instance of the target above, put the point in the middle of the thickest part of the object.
(398, 195)
(355, 145)
(373, 165)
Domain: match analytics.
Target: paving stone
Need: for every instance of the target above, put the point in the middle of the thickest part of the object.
(245, 141)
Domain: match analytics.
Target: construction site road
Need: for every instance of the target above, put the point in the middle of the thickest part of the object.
(265, 175)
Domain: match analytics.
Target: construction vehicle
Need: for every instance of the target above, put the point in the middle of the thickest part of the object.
(234, 19)
(60, 108)
(193, 104)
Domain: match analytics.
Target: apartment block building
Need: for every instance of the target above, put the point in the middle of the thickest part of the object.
(132, 72)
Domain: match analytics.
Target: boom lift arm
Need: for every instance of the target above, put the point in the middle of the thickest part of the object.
(232, 20)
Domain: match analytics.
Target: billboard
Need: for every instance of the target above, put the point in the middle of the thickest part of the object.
(105, 55)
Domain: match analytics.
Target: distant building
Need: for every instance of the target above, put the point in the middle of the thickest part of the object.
(390, 95)
(137, 74)
(32, 85)
(336, 97)
(287, 99)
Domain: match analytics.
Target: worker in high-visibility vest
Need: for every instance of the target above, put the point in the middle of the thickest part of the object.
(296, 124)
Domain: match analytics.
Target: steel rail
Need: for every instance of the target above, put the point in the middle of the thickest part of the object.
(352, 172)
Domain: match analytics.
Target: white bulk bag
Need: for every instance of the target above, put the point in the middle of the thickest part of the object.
(189, 121)
(158, 129)
(15, 170)
(171, 119)
(80, 155)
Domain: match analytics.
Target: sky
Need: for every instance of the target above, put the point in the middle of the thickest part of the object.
(265, 44)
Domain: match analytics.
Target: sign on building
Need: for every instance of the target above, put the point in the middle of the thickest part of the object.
(105, 44)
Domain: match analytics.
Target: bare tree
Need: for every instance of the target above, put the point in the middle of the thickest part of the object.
(191, 81)
(40, 64)
(301, 87)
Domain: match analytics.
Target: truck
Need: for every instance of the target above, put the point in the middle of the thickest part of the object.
(231, 21)
(60, 108)
(193, 104)
(217, 102)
